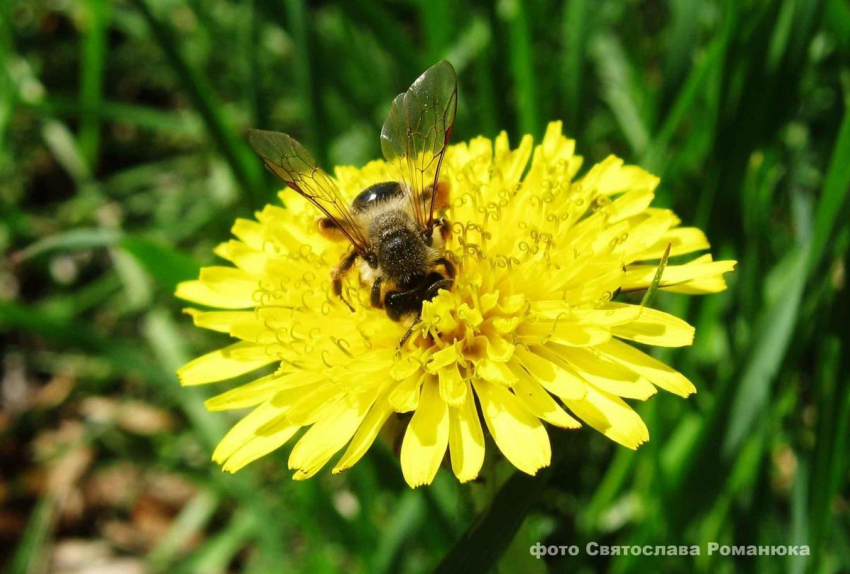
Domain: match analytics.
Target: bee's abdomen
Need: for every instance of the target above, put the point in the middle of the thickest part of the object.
(375, 194)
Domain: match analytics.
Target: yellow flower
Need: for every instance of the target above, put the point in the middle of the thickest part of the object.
(529, 334)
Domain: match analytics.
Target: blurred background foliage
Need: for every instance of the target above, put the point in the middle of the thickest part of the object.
(123, 163)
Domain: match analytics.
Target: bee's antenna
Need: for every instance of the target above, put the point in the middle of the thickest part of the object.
(409, 333)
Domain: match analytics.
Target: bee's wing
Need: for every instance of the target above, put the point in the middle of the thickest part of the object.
(294, 165)
(416, 133)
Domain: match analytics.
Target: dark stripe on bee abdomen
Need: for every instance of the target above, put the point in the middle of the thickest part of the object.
(375, 194)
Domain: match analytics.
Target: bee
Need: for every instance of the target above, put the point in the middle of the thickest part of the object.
(391, 225)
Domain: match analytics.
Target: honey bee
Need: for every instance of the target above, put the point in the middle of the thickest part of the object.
(391, 226)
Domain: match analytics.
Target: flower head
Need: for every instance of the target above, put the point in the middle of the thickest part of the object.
(530, 333)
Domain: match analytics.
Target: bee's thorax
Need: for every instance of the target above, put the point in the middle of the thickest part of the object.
(403, 257)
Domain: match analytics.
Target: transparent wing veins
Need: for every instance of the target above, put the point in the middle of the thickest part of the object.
(294, 165)
(416, 133)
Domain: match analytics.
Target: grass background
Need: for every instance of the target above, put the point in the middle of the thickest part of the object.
(122, 163)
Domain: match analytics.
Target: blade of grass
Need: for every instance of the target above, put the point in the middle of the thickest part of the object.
(166, 265)
(245, 168)
(394, 38)
(178, 123)
(829, 458)
(435, 16)
(616, 75)
(649, 296)
(490, 534)
(299, 26)
(407, 516)
(522, 60)
(93, 65)
(67, 151)
(72, 240)
(577, 28)
(773, 336)
(834, 202)
(711, 63)
(215, 555)
(777, 325)
(684, 22)
(8, 93)
(189, 522)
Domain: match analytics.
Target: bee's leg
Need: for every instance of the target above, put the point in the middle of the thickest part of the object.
(435, 288)
(400, 303)
(408, 333)
(329, 229)
(340, 271)
(376, 293)
(450, 267)
(445, 228)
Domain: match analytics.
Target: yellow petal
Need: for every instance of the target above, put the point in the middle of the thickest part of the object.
(608, 315)
(641, 276)
(498, 348)
(247, 395)
(405, 367)
(249, 231)
(566, 384)
(704, 286)
(232, 288)
(519, 435)
(243, 256)
(220, 365)
(612, 417)
(202, 294)
(539, 402)
(494, 372)
(539, 368)
(258, 447)
(655, 327)
(329, 435)
(442, 358)
(221, 321)
(605, 374)
(242, 438)
(629, 204)
(682, 240)
(405, 395)
(365, 435)
(452, 387)
(466, 439)
(306, 410)
(654, 370)
(620, 177)
(426, 438)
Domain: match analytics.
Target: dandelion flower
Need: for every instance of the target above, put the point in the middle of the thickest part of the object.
(530, 337)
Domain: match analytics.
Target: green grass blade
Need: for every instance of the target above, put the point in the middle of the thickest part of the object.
(773, 336)
(407, 517)
(834, 204)
(616, 76)
(218, 552)
(165, 264)
(522, 61)
(436, 18)
(73, 240)
(299, 26)
(191, 521)
(245, 167)
(181, 123)
(92, 74)
(577, 28)
(649, 296)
